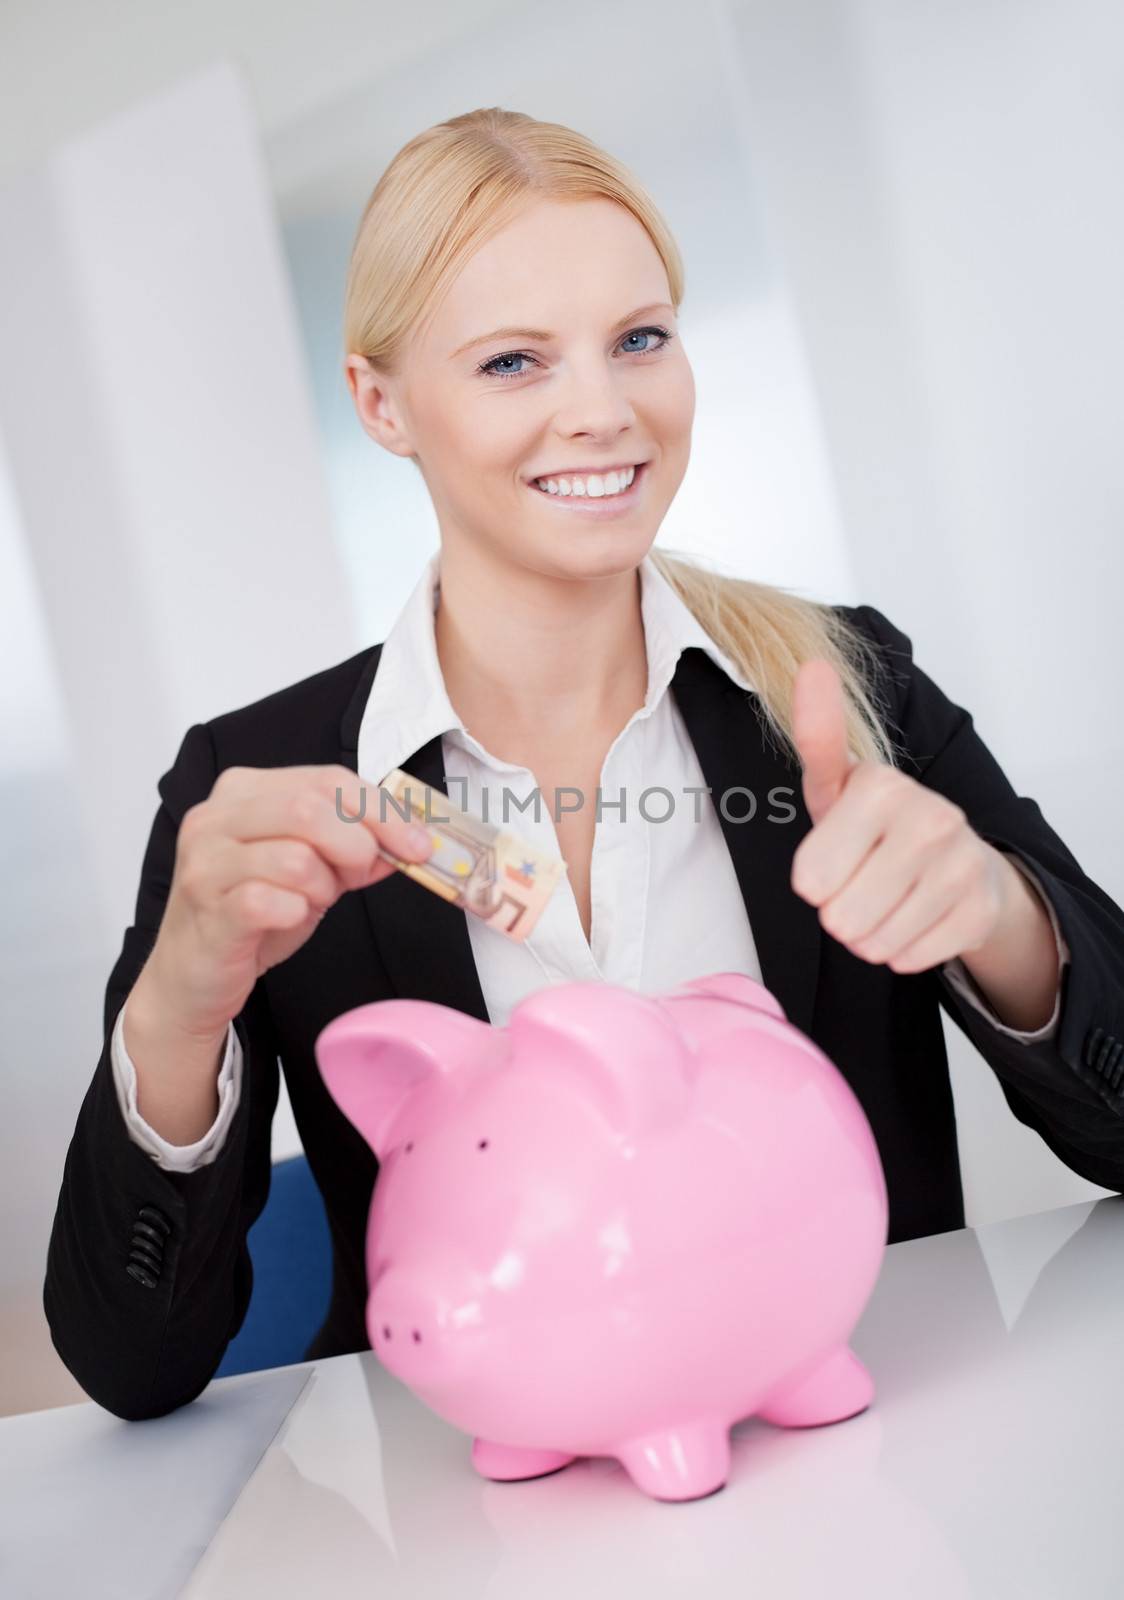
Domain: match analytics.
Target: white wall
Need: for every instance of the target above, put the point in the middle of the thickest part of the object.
(168, 531)
(940, 182)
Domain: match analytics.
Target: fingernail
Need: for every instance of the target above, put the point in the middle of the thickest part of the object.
(419, 837)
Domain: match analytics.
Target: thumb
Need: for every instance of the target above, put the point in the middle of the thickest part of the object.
(819, 731)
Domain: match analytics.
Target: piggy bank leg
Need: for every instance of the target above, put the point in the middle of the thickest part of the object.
(508, 1462)
(839, 1387)
(679, 1463)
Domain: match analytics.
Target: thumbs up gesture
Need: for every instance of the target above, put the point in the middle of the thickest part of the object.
(898, 874)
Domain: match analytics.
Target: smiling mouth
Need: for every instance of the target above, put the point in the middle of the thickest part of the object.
(602, 502)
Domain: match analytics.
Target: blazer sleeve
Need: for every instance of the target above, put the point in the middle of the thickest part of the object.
(148, 1275)
(1068, 1085)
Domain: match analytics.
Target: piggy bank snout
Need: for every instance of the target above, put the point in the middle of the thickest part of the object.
(417, 1320)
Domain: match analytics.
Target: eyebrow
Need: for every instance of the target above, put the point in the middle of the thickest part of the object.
(542, 337)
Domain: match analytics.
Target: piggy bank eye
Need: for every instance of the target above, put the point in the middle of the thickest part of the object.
(409, 1147)
(483, 1145)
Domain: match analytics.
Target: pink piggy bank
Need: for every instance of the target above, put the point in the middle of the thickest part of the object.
(616, 1226)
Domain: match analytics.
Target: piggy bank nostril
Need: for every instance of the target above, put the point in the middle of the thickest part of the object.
(385, 1332)
(417, 1337)
(483, 1145)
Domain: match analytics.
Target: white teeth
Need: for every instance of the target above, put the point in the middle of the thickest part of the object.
(595, 485)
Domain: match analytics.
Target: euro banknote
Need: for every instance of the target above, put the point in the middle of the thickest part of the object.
(489, 871)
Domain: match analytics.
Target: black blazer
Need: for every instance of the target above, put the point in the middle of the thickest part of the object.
(148, 1275)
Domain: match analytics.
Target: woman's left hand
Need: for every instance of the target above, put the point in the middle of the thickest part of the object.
(896, 870)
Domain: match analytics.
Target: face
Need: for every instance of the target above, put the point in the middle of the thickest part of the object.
(602, 382)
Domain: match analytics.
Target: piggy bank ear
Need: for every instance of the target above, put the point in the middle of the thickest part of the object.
(734, 986)
(615, 1046)
(372, 1059)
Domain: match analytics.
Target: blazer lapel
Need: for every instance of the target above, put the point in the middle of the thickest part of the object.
(423, 941)
(728, 731)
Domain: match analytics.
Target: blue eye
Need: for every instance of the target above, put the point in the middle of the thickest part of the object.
(492, 367)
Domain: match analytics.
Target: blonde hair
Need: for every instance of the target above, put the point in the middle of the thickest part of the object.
(442, 196)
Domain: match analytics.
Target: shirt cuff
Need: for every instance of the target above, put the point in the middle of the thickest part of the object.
(176, 1157)
(965, 985)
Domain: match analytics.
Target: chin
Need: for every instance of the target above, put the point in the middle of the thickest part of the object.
(599, 553)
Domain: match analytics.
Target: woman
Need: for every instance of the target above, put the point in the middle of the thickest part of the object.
(854, 815)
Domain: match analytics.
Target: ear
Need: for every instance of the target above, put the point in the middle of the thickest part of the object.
(737, 986)
(374, 394)
(615, 1046)
(373, 1058)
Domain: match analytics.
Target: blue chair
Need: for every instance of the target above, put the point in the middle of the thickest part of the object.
(291, 1250)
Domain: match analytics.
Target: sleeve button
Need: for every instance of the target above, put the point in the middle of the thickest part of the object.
(155, 1218)
(146, 1245)
(1103, 1061)
(144, 1230)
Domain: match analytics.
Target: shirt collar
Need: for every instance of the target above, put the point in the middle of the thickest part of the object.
(408, 704)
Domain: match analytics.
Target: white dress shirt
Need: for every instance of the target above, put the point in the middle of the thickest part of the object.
(650, 880)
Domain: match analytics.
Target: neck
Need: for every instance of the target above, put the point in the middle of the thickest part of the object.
(539, 656)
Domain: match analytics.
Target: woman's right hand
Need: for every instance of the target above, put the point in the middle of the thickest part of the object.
(257, 865)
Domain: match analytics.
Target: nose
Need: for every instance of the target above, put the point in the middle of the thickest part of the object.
(418, 1323)
(596, 406)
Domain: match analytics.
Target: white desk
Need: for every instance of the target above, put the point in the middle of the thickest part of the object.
(991, 1464)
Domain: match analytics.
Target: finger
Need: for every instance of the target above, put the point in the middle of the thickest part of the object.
(819, 731)
(920, 909)
(288, 863)
(827, 858)
(857, 914)
(888, 873)
(322, 815)
(236, 782)
(940, 889)
(940, 942)
(356, 802)
(253, 907)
